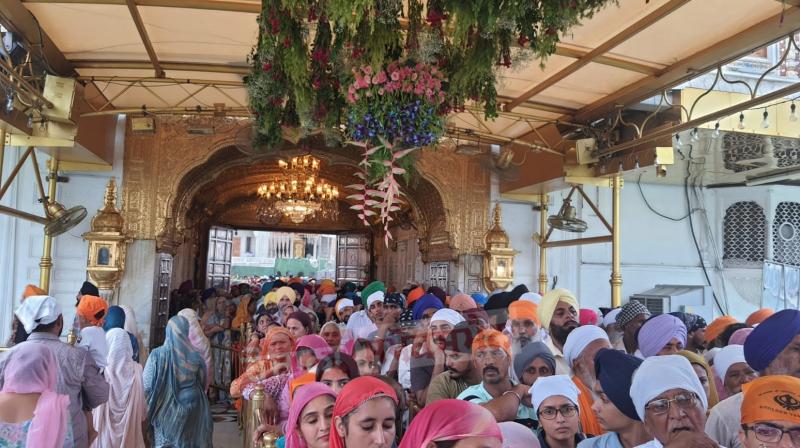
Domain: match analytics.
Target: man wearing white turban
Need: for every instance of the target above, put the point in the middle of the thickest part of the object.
(582, 345)
(425, 368)
(671, 402)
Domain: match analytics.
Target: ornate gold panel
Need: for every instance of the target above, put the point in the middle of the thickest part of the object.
(174, 183)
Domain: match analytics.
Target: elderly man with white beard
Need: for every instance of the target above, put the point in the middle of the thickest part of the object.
(581, 346)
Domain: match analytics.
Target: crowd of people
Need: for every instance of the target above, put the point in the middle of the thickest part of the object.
(356, 367)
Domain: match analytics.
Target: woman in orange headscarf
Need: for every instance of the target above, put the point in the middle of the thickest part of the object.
(364, 398)
(276, 349)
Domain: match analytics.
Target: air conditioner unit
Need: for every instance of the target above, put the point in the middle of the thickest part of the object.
(695, 299)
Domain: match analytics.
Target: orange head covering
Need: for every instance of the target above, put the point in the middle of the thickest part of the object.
(491, 338)
(93, 309)
(274, 331)
(759, 316)
(413, 295)
(302, 380)
(462, 302)
(522, 309)
(771, 398)
(31, 290)
(326, 288)
(295, 280)
(717, 326)
(242, 314)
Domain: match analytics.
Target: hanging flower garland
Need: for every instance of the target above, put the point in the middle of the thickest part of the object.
(391, 112)
(444, 54)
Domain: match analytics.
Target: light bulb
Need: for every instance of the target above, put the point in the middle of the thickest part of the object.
(695, 136)
(765, 121)
(793, 113)
(716, 132)
(636, 164)
(10, 103)
(741, 121)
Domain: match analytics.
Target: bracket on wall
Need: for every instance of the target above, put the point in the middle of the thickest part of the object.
(545, 241)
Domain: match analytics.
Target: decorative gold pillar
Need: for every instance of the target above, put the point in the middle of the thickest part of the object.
(542, 249)
(46, 264)
(616, 234)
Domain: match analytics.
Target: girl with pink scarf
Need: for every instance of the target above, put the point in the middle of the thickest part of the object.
(32, 414)
(437, 422)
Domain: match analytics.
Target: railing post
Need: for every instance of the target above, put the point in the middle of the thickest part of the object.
(253, 415)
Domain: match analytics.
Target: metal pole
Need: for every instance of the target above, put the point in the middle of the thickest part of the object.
(616, 273)
(46, 264)
(542, 249)
(2, 151)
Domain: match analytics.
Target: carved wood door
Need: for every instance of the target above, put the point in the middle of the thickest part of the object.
(220, 248)
(161, 296)
(353, 258)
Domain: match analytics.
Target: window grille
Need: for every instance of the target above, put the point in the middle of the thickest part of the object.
(786, 233)
(438, 275)
(744, 235)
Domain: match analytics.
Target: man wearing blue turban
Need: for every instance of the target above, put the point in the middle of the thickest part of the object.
(773, 348)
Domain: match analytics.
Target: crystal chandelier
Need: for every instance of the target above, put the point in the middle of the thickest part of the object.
(299, 193)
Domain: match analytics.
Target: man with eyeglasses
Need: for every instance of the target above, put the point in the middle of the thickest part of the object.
(671, 402)
(491, 354)
(771, 413)
(773, 348)
(558, 313)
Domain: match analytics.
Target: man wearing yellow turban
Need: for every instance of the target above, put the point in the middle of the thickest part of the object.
(558, 313)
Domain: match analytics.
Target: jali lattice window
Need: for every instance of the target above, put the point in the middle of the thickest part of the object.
(744, 235)
(786, 233)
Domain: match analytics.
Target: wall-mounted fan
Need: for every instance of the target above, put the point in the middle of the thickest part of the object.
(565, 219)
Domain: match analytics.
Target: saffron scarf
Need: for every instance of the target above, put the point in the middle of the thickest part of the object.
(354, 394)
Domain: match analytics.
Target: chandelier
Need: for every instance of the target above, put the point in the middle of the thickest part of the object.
(299, 193)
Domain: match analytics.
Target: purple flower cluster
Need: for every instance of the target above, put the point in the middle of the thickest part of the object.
(407, 125)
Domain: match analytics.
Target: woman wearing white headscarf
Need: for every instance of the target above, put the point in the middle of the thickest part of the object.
(132, 327)
(198, 339)
(119, 420)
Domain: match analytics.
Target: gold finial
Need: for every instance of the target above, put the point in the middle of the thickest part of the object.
(72, 338)
(111, 195)
(268, 440)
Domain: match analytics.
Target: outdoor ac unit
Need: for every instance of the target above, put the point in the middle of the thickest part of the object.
(695, 299)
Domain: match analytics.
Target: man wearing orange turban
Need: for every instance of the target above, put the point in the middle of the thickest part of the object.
(716, 327)
(491, 356)
(413, 295)
(771, 412)
(92, 310)
(524, 319)
(759, 316)
(31, 290)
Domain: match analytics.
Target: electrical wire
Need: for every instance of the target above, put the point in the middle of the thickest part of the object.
(641, 192)
(694, 235)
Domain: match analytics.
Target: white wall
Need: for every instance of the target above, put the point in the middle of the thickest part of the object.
(21, 241)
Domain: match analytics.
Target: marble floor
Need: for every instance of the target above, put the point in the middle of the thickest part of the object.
(226, 430)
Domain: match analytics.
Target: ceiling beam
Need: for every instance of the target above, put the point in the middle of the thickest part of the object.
(610, 59)
(148, 45)
(179, 66)
(21, 22)
(603, 48)
(232, 6)
(720, 53)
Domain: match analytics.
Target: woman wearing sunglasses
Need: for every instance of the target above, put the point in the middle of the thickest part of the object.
(771, 413)
(555, 401)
